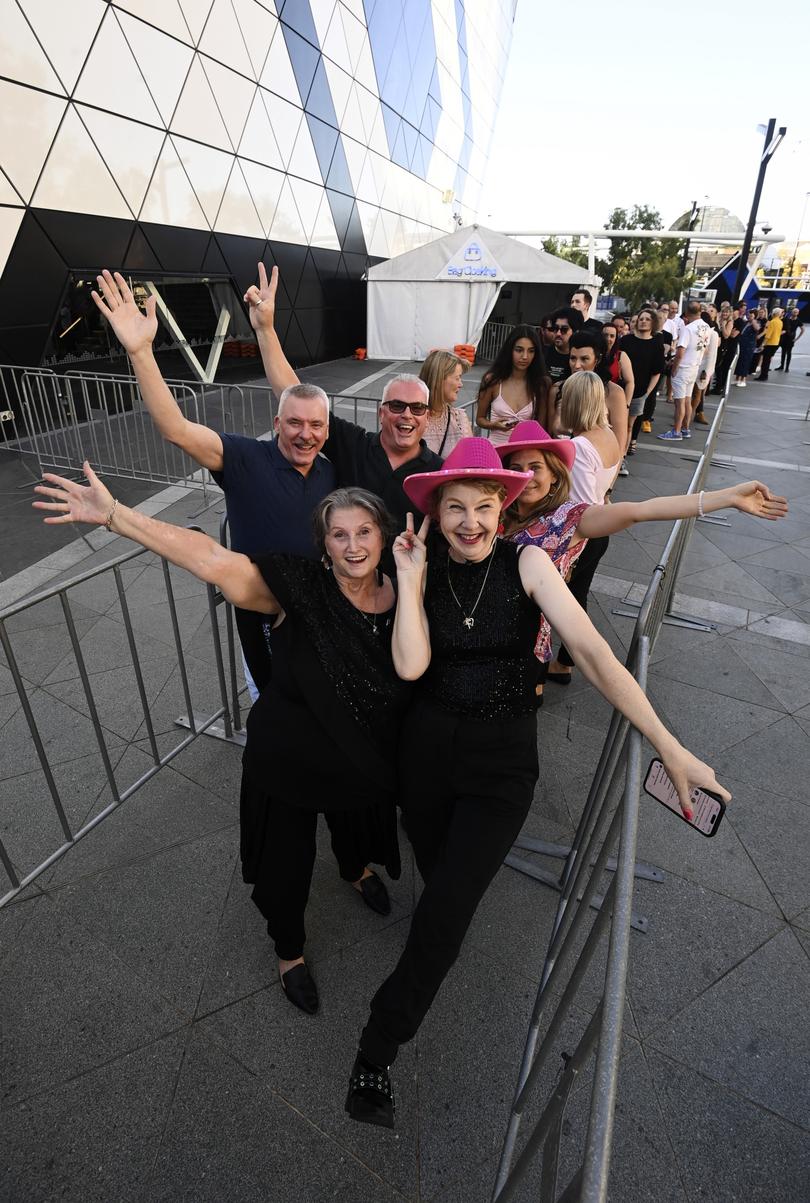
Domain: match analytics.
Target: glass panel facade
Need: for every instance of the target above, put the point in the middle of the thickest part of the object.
(362, 130)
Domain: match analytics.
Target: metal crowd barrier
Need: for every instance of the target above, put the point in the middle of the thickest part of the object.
(564, 969)
(493, 336)
(18, 877)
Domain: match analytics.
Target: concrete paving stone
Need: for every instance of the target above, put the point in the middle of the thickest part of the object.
(784, 559)
(783, 673)
(104, 648)
(749, 1032)
(300, 1059)
(722, 864)
(65, 734)
(802, 717)
(737, 543)
(212, 763)
(155, 621)
(564, 740)
(701, 554)
(149, 589)
(803, 937)
(47, 613)
(787, 626)
(703, 724)
(803, 920)
(95, 1138)
(170, 702)
(69, 1005)
(674, 640)
(100, 592)
(775, 831)
(790, 587)
(731, 675)
(775, 759)
(38, 650)
(15, 918)
(728, 1149)
(115, 694)
(729, 579)
(631, 557)
(230, 1136)
(9, 705)
(172, 808)
(161, 914)
(7, 685)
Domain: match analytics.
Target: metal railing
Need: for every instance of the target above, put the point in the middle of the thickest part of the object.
(493, 336)
(13, 861)
(565, 968)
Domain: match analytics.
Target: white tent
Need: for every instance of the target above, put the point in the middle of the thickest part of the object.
(443, 292)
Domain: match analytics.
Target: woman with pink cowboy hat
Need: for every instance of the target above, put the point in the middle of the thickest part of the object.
(544, 516)
(465, 628)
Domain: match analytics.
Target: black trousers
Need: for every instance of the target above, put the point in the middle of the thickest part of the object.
(282, 884)
(580, 582)
(787, 351)
(463, 814)
(767, 355)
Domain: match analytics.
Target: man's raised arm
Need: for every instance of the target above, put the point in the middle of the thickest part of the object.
(261, 303)
(135, 331)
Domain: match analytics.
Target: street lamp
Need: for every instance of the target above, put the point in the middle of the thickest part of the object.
(798, 240)
(772, 139)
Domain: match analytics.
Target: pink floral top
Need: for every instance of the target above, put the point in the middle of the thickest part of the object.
(458, 428)
(553, 533)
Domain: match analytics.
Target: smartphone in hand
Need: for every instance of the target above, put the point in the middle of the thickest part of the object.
(707, 808)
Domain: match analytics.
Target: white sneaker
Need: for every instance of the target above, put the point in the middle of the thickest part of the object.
(743, 384)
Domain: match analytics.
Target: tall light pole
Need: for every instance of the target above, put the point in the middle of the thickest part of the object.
(772, 140)
(798, 240)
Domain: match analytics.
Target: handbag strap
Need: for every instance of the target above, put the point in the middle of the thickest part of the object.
(446, 429)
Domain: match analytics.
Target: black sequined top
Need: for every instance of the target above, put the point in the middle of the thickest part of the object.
(487, 670)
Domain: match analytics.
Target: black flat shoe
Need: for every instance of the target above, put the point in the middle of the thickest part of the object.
(371, 1097)
(300, 989)
(559, 678)
(374, 894)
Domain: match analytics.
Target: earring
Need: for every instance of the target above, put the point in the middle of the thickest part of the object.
(326, 561)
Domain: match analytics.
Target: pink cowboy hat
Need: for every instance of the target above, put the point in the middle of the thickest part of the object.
(531, 434)
(471, 459)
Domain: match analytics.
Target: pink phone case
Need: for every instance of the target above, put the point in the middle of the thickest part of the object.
(708, 808)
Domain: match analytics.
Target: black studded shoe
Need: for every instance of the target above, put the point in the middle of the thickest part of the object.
(375, 895)
(300, 989)
(371, 1096)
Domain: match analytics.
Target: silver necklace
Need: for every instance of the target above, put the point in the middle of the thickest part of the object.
(467, 619)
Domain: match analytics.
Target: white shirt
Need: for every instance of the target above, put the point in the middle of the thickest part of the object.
(675, 326)
(695, 339)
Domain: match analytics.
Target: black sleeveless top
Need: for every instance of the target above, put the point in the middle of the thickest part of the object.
(487, 670)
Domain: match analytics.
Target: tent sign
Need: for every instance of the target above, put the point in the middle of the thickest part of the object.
(470, 263)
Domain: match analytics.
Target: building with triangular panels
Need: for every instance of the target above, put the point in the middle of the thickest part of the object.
(181, 141)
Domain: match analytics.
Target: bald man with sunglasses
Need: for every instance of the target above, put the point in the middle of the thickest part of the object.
(378, 462)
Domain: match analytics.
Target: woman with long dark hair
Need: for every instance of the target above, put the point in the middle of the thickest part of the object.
(516, 388)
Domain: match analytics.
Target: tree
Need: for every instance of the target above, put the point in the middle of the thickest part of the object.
(572, 251)
(640, 269)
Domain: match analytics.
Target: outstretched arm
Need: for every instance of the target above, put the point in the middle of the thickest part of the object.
(136, 332)
(410, 641)
(593, 656)
(261, 303)
(750, 498)
(233, 573)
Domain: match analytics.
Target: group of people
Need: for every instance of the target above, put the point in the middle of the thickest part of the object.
(399, 672)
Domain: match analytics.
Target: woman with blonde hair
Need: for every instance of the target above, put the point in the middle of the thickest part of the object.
(447, 423)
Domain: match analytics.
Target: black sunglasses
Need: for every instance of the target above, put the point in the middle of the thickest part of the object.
(417, 408)
(561, 329)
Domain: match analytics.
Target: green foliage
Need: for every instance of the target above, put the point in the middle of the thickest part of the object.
(640, 269)
(572, 251)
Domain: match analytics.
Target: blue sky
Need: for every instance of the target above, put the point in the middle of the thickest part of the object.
(611, 104)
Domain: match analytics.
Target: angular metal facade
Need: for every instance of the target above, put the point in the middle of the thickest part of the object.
(178, 139)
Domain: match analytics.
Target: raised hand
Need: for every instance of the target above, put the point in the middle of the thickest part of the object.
(755, 498)
(134, 329)
(72, 502)
(261, 301)
(410, 553)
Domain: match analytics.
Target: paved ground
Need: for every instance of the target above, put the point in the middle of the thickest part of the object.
(147, 1051)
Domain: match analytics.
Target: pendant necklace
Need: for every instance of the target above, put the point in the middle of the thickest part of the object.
(467, 619)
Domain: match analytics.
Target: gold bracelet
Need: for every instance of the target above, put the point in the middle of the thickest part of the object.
(108, 523)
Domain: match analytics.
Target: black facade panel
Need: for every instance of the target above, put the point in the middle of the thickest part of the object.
(87, 242)
(140, 257)
(34, 278)
(242, 256)
(178, 248)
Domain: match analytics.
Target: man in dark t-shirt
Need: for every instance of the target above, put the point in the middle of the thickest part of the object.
(582, 301)
(566, 321)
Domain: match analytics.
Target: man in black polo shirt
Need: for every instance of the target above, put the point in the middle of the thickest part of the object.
(582, 301)
(377, 462)
(271, 487)
(566, 321)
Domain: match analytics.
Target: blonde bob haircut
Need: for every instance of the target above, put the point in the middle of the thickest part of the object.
(582, 403)
(434, 371)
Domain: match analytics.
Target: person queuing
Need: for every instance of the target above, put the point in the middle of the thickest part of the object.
(674, 324)
(770, 341)
(465, 628)
(271, 487)
(566, 322)
(516, 387)
(646, 354)
(690, 348)
(728, 348)
(583, 411)
(620, 322)
(707, 366)
(792, 330)
(377, 462)
(544, 515)
(333, 689)
(746, 339)
(617, 363)
(442, 372)
(587, 354)
(583, 300)
(546, 332)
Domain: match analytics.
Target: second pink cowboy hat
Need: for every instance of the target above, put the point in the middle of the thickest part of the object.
(531, 435)
(471, 459)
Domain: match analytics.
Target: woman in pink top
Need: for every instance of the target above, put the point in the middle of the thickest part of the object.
(545, 515)
(516, 387)
(447, 423)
